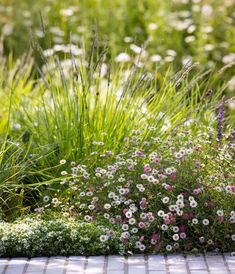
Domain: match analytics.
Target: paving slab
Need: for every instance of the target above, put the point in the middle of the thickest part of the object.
(153, 264)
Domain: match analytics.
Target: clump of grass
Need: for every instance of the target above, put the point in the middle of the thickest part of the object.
(85, 108)
(79, 109)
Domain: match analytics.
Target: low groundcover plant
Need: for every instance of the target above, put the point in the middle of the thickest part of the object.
(167, 196)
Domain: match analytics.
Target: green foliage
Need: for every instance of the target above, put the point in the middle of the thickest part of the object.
(55, 236)
(171, 195)
(105, 83)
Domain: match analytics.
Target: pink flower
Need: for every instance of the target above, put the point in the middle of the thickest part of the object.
(167, 221)
(169, 188)
(173, 176)
(161, 176)
(141, 225)
(221, 218)
(198, 164)
(156, 160)
(171, 218)
(197, 191)
(124, 240)
(125, 210)
(118, 220)
(141, 238)
(147, 168)
(187, 215)
(155, 237)
(182, 235)
(143, 203)
(170, 215)
(183, 228)
(139, 153)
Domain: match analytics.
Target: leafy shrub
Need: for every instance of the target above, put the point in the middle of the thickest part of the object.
(55, 236)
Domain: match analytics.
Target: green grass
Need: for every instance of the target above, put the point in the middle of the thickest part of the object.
(76, 113)
(80, 78)
(165, 25)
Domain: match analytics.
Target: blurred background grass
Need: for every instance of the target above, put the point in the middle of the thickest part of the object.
(201, 30)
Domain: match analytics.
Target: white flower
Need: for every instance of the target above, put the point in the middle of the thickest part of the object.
(195, 221)
(62, 162)
(128, 214)
(103, 238)
(210, 242)
(233, 237)
(193, 204)
(135, 48)
(91, 207)
(175, 229)
(142, 247)
(125, 234)
(98, 175)
(205, 221)
(168, 247)
(122, 58)
(220, 213)
(134, 230)
(87, 218)
(132, 221)
(55, 201)
(228, 58)
(112, 221)
(106, 216)
(218, 188)
(168, 171)
(122, 191)
(150, 179)
(107, 206)
(180, 203)
(46, 199)
(155, 58)
(144, 176)
(180, 197)
(111, 194)
(63, 173)
(103, 171)
(165, 200)
(164, 227)
(160, 213)
(191, 199)
(152, 26)
(175, 237)
(125, 227)
(143, 215)
(179, 212)
(172, 208)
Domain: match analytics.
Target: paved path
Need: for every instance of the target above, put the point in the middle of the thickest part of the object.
(153, 264)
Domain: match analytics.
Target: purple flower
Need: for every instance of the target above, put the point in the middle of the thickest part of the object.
(220, 120)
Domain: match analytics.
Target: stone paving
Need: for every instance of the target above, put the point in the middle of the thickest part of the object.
(152, 264)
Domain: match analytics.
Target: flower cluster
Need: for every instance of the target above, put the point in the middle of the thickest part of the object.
(160, 197)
